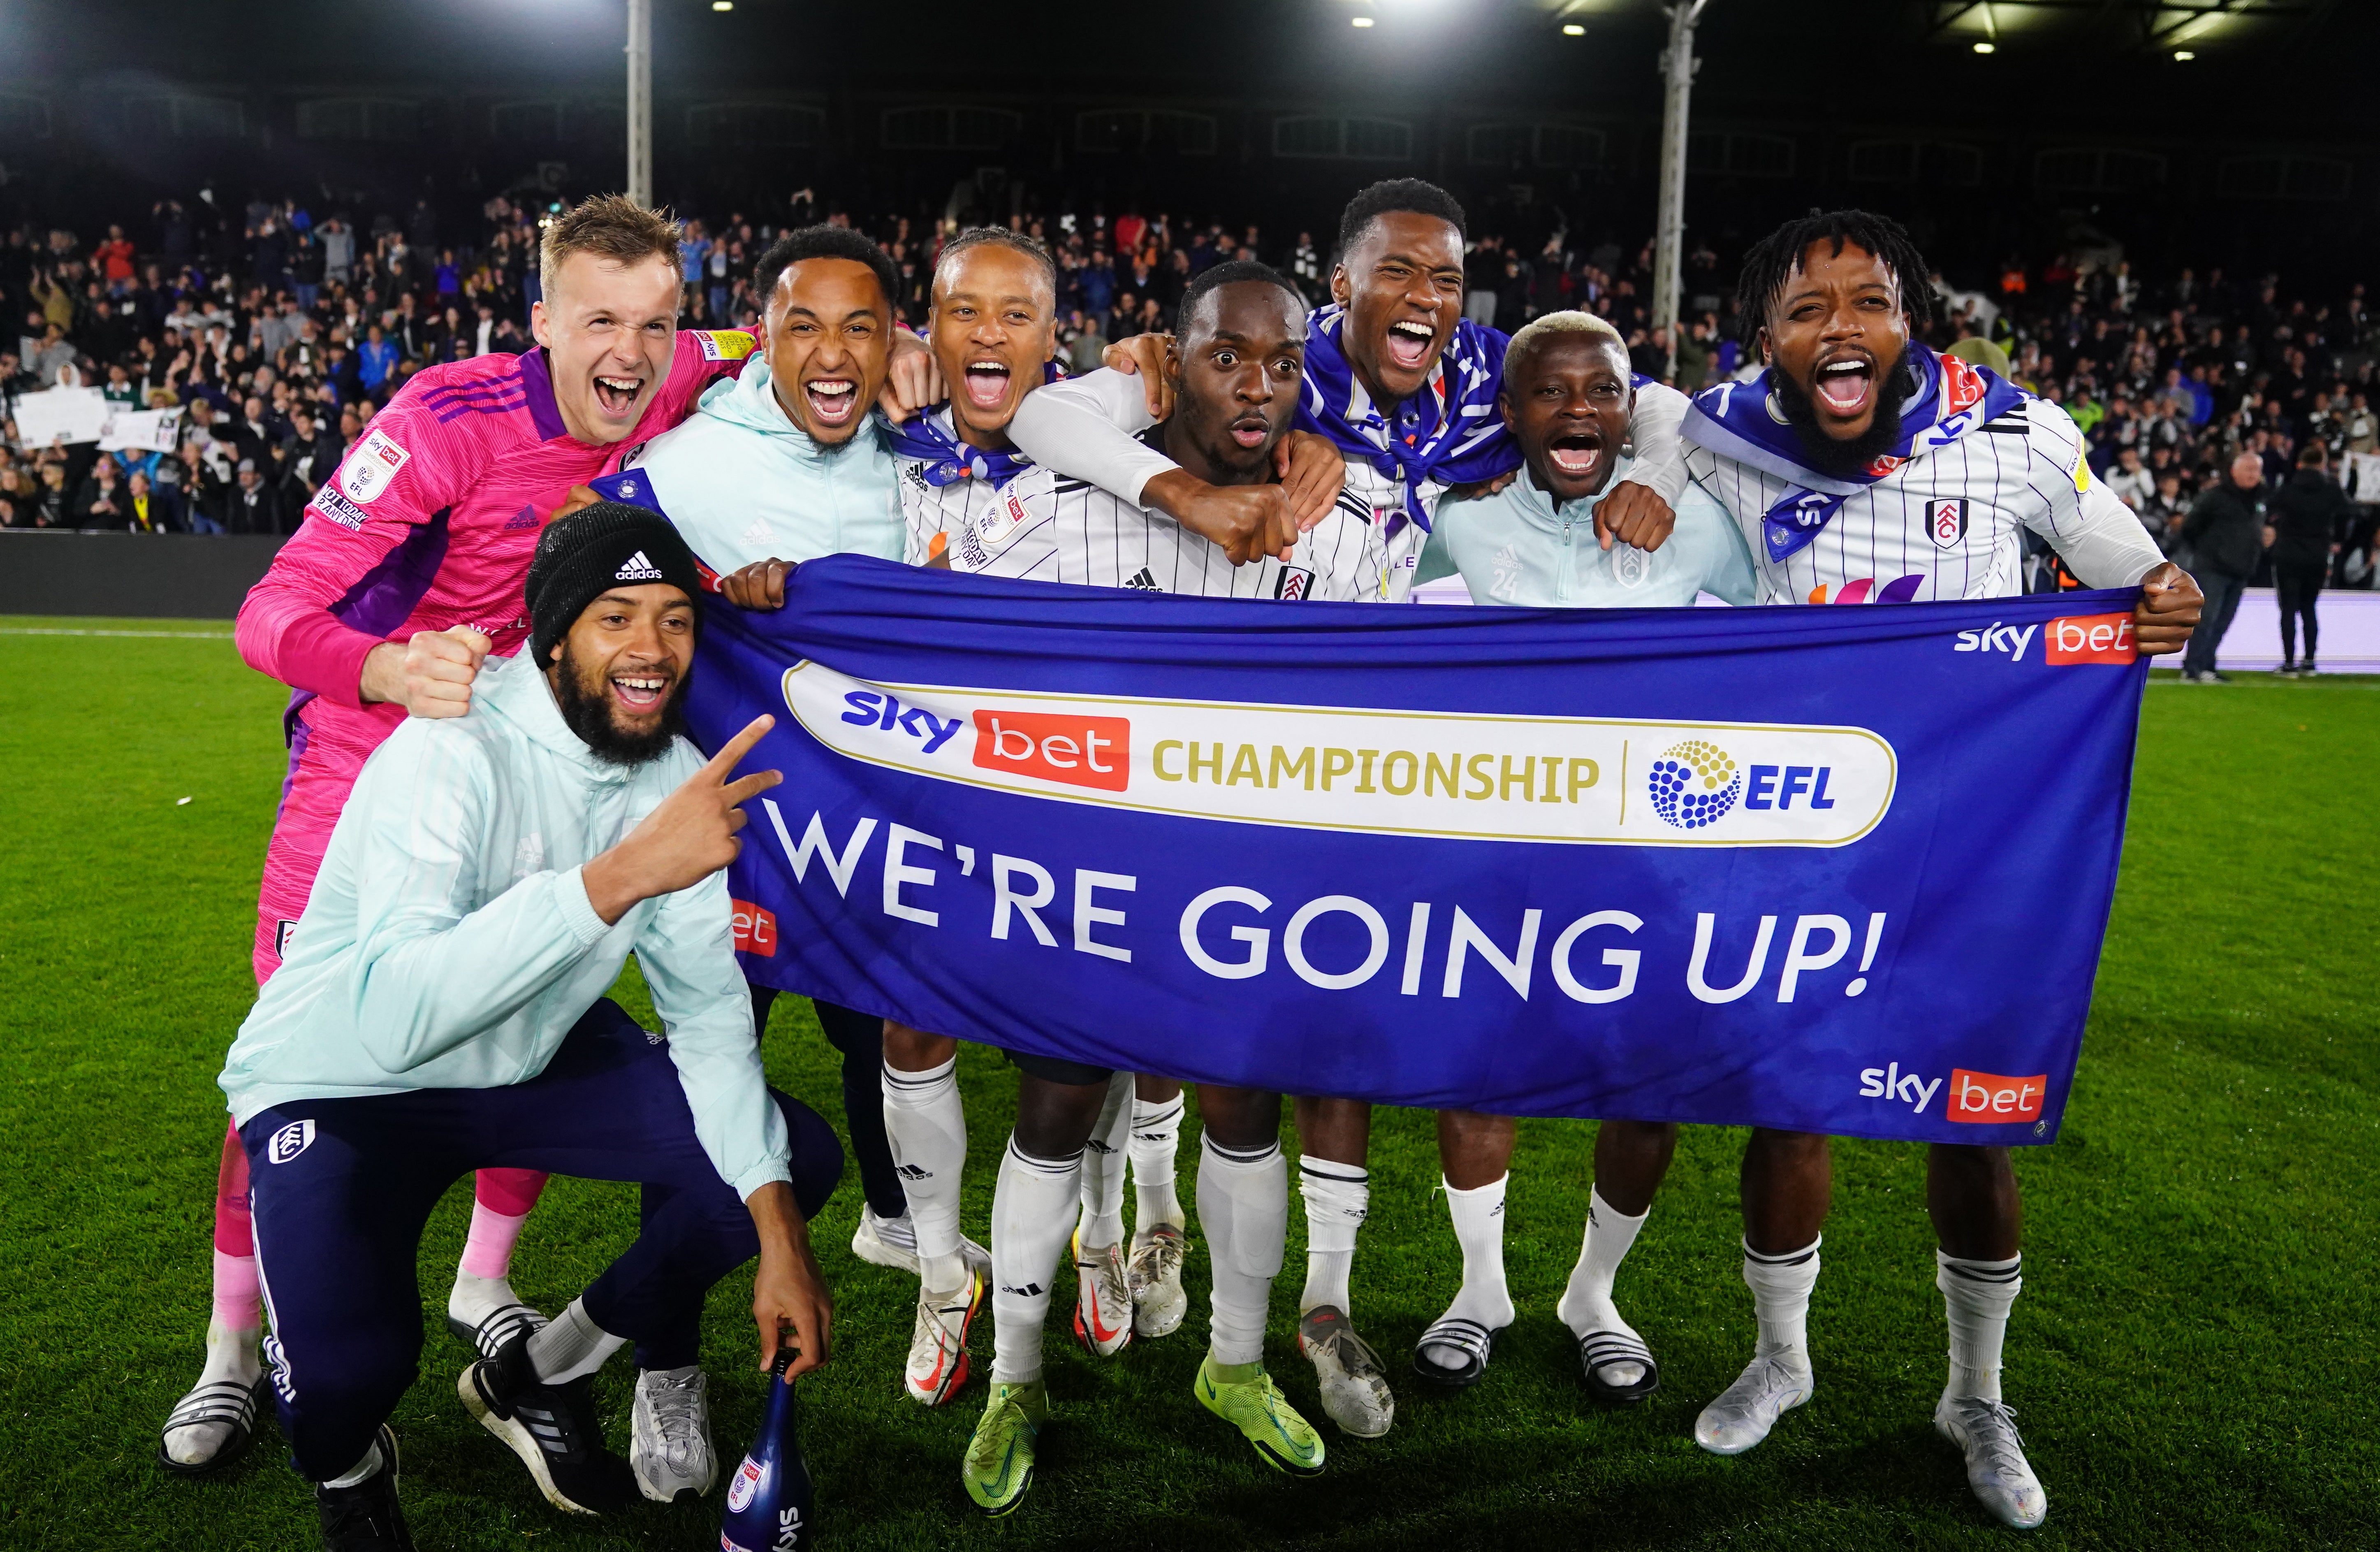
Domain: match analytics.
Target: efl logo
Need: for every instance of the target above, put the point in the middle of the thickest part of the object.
(756, 929)
(1078, 750)
(2090, 639)
(1990, 1098)
(747, 1483)
(371, 466)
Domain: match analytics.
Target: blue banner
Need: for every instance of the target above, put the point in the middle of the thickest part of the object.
(1844, 869)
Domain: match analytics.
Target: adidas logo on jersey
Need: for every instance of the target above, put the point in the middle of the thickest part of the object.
(637, 568)
(1144, 579)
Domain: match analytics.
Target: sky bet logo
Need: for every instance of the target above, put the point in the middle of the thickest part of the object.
(1621, 781)
(1975, 1098)
(2070, 639)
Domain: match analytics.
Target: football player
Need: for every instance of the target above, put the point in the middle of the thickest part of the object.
(1864, 466)
(1235, 367)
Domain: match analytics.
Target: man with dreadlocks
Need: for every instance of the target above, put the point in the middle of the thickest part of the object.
(1865, 467)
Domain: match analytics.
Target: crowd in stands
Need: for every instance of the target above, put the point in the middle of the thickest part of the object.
(278, 331)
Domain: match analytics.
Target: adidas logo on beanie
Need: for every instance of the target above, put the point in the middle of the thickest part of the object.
(586, 554)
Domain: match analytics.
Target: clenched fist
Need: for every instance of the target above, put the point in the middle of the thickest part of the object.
(1248, 521)
(760, 585)
(430, 676)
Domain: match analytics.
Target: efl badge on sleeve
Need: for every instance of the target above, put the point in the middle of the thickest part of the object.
(1946, 521)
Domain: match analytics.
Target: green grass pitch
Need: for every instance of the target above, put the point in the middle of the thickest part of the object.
(2192, 1359)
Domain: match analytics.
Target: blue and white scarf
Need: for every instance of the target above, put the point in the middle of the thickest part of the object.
(1449, 433)
(1744, 422)
(943, 458)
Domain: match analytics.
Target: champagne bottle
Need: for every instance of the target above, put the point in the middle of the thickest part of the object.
(769, 1499)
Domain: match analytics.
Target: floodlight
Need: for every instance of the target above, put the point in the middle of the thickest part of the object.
(1363, 21)
(2183, 55)
(1982, 48)
(1572, 29)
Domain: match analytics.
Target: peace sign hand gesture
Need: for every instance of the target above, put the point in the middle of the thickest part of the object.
(685, 839)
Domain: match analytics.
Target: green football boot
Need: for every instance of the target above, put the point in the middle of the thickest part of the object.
(999, 1464)
(1245, 1396)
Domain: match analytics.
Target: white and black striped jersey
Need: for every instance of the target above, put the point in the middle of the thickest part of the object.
(933, 514)
(1946, 524)
(1399, 539)
(1048, 527)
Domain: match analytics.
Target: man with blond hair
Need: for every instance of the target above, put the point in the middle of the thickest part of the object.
(407, 570)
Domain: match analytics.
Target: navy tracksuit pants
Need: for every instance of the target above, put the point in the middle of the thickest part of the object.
(343, 1187)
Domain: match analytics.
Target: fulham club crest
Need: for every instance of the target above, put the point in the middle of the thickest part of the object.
(1946, 522)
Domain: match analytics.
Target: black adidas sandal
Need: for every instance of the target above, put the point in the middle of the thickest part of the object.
(502, 1325)
(223, 1400)
(1474, 1340)
(1599, 1350)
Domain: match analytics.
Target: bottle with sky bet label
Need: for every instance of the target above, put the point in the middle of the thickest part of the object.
(768, 1498)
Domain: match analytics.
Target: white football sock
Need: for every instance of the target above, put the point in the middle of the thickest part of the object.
(1337, 1197)
(231, 1354)
(1478, 1216)
(1103, 1166)
(1587, 1303)
(364, 1469)
(1780, 1299)
(926, 1123)
(1155, 1139)
(1977, 1295)
(474, 1299)
(1032, 1215)
(1243, 1211)
(571, 1346)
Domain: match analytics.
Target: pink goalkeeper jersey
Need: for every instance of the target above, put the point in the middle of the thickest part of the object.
(432, 519)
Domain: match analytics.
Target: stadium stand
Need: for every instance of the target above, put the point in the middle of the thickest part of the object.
(273, 331)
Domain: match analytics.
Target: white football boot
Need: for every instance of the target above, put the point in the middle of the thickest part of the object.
(1154, 1278)
(1103, 1304)
(1354, 1387)
(1770, 1386)
(1997, 1469)
(938, 1351)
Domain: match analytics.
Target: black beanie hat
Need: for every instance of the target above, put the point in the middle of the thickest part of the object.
(593, 550)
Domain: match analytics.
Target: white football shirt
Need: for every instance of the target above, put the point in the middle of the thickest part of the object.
(1049, 528)
(1949, 523)
(934, 515)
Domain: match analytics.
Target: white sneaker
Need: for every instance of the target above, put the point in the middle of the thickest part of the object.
(669, 1434)
(1997, 1469)
(938, 1353)
(1770, 1386)
(1154, 1278)
(1103, 1304)
(1354, 1387)
(893, 1242)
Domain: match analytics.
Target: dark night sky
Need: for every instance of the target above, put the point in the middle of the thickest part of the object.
(2309, 75)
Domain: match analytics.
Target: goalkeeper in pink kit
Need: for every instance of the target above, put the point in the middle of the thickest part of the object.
(409, 569)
